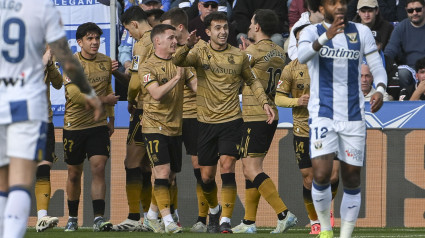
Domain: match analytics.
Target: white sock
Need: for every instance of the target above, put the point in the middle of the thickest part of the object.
(322, 199)
(152, 214)
(350, 207)
(224, 219)
(215, 210)
(16, 212)
(177, 214)
(3, 201)
(167, 219)
(41, 213)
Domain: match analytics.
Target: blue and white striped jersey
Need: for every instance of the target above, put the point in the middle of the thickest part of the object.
(335, 89)
(25, 27)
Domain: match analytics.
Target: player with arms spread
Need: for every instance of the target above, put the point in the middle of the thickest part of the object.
(267, 61)
(333, 51)
(219, 69)
(26, 27)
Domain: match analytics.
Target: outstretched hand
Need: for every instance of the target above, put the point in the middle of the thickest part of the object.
(192, 39)
(336, 28)
(245, 43)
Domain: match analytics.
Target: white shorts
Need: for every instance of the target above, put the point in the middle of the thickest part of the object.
(345, 138)
(24, 140)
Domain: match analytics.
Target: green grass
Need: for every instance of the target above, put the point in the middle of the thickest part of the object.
(263, 232)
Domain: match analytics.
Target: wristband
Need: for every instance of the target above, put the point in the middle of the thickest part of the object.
(381, 90)
(323, 39)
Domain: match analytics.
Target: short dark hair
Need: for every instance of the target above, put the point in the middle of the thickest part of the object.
(422, 2)
(420, 64)
(313, 5)
(160, 29)
(157, 13)
(87, 27)
(214, 16)
(177, 16)
(134, 13)
(267, 19)
(299, 28)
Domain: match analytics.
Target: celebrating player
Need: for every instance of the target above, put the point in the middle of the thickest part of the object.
(219, 68)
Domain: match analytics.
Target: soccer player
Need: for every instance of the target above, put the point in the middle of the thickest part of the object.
(82, 136)
(42, 182)
(162, 120)
(333, 51)
(267, 61)
(295, 81)
(177, 17)
(220, 69)
(26, 28)
(137, 167)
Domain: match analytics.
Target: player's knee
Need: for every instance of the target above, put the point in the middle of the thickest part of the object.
(207, 179)
(322, 177)
(74, 177)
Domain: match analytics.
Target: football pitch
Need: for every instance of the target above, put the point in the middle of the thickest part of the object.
(262, 232)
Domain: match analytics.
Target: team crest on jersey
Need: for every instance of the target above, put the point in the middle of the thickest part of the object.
(135, 62)
(301, 73)
(352, 37)
(318, 145)
(102, 67)
(209, 57)
(231, 60)
(206, 67)
(164, 80)
(147, 78)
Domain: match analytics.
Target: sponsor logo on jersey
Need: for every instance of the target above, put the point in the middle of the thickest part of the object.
(352, 37)
(147, 78)
(18, 81)
(340, 53)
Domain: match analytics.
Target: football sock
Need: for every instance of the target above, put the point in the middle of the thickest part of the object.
(202, 202)
(252, 198)
(214, 210)
(152, 214)
(3, 201)
(133, 188)
(268, 190)
(350, 207)
(167, 219)
(98, 207)
(224, 219)
(162, 194)
(42, 189)
(322, 198)
(16, 212)
(210, 194)
(146, 192)
(173, 195)
(73, 208)
(308, 203)
(228, 193)
(334, 188)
